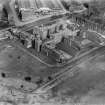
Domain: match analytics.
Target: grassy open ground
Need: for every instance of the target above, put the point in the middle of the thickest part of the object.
(87, 86)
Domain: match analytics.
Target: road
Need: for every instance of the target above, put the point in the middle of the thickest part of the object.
(62, 75)
(29, 65)
(41, 21)
(58, 74)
